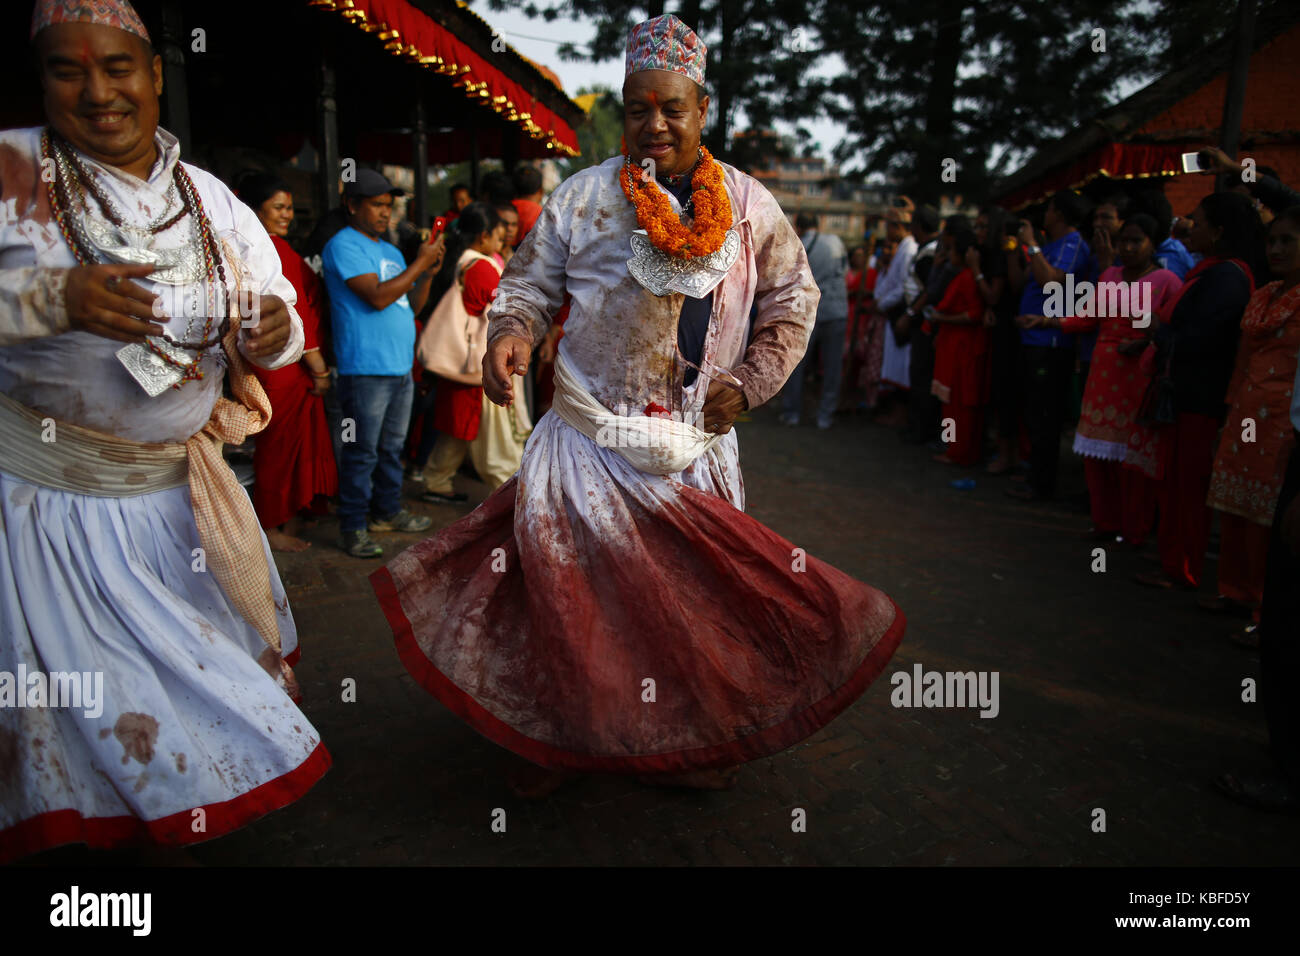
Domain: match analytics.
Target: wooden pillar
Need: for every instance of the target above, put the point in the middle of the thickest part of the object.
(473, 162)
(419, 210)
(1234, 98)
(327, 111)
(509, 149)
(176, 94)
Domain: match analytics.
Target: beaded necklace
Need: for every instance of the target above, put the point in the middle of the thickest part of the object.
(67, 196)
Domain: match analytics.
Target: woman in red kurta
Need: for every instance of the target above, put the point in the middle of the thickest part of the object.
(1257, 437)
(458, 407)
(864, 350)
(294, 455)
(1123, 500)
(961, 359)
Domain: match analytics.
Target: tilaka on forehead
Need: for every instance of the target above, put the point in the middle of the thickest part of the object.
(107, 13)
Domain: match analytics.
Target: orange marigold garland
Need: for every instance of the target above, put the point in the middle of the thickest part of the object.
(654, 213)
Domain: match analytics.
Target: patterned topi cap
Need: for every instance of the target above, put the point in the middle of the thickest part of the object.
(107, 13)
(665, 43)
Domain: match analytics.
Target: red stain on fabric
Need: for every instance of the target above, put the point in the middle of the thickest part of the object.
(137, 733)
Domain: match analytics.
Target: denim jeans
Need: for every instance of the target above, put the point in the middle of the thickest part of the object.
(828, 338)
(370, 468)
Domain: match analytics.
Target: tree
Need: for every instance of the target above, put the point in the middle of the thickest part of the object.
(601, 136)
(984, 84)
(755, 60)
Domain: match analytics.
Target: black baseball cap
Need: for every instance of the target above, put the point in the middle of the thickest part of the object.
(370, 183)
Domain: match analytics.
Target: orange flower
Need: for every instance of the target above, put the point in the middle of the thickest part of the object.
(654, 213)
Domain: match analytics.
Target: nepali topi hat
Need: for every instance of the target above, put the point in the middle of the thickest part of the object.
(665, 43)
(106, 13)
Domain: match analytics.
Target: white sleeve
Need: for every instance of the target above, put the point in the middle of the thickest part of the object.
(531, 290)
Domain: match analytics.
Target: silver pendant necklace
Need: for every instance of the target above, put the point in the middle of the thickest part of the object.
(661, 273)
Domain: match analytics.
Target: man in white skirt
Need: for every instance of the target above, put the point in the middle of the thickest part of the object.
(145, 636)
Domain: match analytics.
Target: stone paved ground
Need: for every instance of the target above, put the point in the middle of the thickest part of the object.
(1112, 696)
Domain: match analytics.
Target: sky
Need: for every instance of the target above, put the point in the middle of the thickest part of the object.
(538, 40)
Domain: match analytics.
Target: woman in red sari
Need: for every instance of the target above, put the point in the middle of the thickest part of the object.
(961, 358)
(294, 456)
(1257, 437)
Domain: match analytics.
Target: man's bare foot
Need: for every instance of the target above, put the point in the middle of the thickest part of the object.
(279, 541)
(723, 779)
(534, 783)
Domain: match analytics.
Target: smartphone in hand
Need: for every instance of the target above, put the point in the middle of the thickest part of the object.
(1198, 162)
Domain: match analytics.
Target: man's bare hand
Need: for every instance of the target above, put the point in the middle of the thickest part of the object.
(505, 357)
(104, 301)
(1221, 162)
(273, 326)
(722, 406)
(430, 254)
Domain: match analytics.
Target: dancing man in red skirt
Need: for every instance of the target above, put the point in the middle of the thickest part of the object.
(612, 608)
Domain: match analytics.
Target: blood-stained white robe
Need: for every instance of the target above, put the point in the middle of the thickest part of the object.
(592, 616)
(188, 720)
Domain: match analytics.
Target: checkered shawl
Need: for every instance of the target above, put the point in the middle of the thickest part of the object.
(228, 528)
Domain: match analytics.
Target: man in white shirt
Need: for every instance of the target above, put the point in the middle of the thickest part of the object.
(890, 293)
(828, 261)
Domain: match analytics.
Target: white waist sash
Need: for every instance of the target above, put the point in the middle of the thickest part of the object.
(67, 457)
(658, 446)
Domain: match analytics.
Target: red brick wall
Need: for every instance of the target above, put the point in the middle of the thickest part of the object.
(1185, 192)
(1272, 104)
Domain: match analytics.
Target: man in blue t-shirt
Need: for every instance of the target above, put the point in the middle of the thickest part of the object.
(374, 345)
(1047, 353)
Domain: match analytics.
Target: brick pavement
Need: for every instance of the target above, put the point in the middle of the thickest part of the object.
(1112, 696)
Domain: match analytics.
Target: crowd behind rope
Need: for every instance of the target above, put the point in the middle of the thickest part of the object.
(1168, 345)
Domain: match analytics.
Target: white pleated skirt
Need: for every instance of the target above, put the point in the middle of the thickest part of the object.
(191, 736)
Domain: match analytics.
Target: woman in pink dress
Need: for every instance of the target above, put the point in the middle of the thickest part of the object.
(1123, 499)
